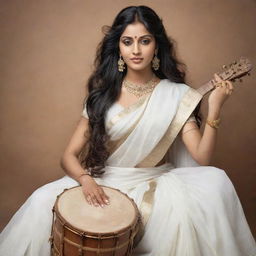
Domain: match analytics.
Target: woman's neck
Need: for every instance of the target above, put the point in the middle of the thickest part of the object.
(139, 76)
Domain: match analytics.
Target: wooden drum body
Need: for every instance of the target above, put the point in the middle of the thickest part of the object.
(80, 229)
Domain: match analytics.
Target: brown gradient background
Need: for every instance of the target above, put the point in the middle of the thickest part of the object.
(47, 52)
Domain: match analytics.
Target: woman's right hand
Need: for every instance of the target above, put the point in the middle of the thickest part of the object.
(94, 194)
(220, 94)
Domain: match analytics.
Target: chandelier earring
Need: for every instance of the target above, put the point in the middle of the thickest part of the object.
(121, 66)
(155, 62)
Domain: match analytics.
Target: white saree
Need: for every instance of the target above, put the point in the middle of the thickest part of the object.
(193, 210)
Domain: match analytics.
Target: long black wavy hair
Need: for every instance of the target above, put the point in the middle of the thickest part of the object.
(104, 85)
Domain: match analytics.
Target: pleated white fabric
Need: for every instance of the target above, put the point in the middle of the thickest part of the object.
(195, 212)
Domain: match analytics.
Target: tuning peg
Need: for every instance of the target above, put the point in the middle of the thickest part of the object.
(248, 74)
(234, 62)
(224, 66)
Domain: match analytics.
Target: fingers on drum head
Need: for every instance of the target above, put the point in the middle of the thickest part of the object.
(103, 196)
(88, 199)
(94, 200)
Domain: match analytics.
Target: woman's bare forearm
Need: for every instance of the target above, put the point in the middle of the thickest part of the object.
(201, 147)
(94, 194)
(69, 160)
(71, 165)
(207, 143)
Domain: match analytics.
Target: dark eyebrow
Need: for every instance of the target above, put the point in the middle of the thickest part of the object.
(139, 37)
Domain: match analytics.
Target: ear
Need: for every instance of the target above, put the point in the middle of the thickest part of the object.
(156, 51)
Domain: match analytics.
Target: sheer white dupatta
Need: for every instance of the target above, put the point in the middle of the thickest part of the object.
(158, 111)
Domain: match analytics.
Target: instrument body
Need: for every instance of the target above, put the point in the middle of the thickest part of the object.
(81, 229)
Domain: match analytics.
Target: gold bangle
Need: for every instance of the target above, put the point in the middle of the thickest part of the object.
(214, 123)
(83, 175)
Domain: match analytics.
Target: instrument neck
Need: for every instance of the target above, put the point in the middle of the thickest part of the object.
(204, 89)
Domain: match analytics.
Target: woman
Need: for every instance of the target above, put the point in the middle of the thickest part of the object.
(124, 140)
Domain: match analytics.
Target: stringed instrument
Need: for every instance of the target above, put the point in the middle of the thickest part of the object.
(233, 71)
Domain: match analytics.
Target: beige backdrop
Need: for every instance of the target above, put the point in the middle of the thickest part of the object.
(47, 51)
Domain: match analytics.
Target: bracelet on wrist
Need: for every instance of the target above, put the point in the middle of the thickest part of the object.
(84, 174)
(213, 123)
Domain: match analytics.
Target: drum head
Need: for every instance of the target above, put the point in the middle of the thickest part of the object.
(119, 214)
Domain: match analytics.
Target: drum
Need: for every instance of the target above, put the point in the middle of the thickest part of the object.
(81, 229)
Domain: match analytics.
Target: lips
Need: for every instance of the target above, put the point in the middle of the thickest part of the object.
(136, 60)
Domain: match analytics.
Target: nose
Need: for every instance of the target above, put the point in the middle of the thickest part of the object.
(136, 48)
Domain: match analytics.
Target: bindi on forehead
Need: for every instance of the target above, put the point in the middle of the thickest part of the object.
(136, 30)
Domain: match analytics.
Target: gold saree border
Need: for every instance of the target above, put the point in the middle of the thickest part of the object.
(188, 103)
(146, 208)
(126, 111)
(147, 201)
(113, 145)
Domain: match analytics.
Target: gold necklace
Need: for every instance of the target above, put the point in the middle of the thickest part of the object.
(140, 89)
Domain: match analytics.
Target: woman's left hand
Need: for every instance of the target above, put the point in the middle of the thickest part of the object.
(220, 94)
